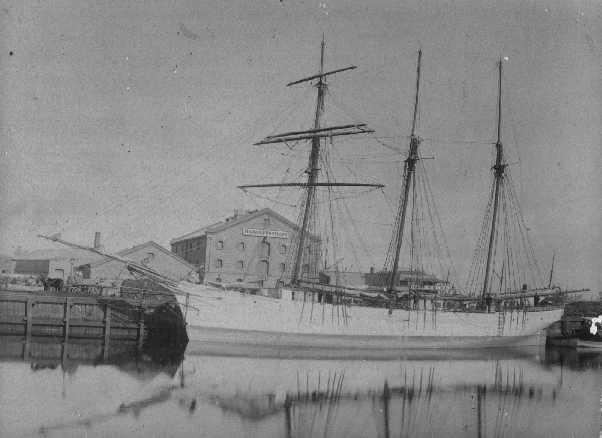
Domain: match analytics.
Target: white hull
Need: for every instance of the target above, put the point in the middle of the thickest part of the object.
(226, 319)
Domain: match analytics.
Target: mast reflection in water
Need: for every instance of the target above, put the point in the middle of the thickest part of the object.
(519, 393)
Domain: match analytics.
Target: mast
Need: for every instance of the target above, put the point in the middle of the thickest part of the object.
(498, 169)
(312, 170)
(409, 169)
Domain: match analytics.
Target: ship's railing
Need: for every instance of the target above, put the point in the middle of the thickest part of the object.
(528, 300)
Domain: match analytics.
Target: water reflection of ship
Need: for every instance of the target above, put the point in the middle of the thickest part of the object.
(387, 398)
(410, 407)
(268, 397)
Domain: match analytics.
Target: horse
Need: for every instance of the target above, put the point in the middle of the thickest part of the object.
(52, 284)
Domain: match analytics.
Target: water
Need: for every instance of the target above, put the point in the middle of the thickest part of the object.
(65, 393)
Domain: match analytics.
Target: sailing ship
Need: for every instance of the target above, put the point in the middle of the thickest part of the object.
(490, 316)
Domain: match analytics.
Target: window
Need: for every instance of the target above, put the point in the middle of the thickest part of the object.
(263, 269)
(240, 265)
(282, 267)
(305, 269)
(149, 257)
(219, 263)
(266, 221)
(264, 249)
(241, 246)
(283, 249)
(219, 244)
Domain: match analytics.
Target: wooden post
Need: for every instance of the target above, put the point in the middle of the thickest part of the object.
(66, 320)
(29, 324)
(107, 332)
(140, 328)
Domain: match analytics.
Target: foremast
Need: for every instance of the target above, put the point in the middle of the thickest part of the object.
(409, 175)
(498, 172)
(316, 134)
(312, 169)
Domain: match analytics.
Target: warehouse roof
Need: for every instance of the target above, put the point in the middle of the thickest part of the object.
(232, 221)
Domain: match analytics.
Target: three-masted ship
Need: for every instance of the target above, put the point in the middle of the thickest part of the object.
(504, 312)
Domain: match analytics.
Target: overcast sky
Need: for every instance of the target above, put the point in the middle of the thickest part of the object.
(137, 118)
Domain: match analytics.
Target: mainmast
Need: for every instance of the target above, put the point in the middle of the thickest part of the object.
(315, 135)
(498, 172)
(409, 170)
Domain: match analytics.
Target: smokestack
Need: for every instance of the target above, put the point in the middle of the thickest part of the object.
(97, 244)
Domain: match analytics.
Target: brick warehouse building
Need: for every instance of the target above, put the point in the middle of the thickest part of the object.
(253, 247)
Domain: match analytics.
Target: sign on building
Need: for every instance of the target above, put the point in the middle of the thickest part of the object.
(265, 233)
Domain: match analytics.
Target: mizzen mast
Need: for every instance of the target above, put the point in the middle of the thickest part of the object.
(409, 171)
(498, 171)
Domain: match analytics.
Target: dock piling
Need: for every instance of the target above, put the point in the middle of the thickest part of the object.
(28, 327)
(107, 334)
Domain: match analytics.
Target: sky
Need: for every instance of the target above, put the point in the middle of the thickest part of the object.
(137, 119)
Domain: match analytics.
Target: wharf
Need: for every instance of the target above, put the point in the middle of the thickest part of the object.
(94, 319)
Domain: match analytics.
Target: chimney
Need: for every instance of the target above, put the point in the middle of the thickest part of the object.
(97, 240)
(235, 213)
(372, 269)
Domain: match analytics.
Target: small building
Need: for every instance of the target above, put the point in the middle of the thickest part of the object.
(52, 263)
(254, 247)
(56, 263)
(149, 254)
